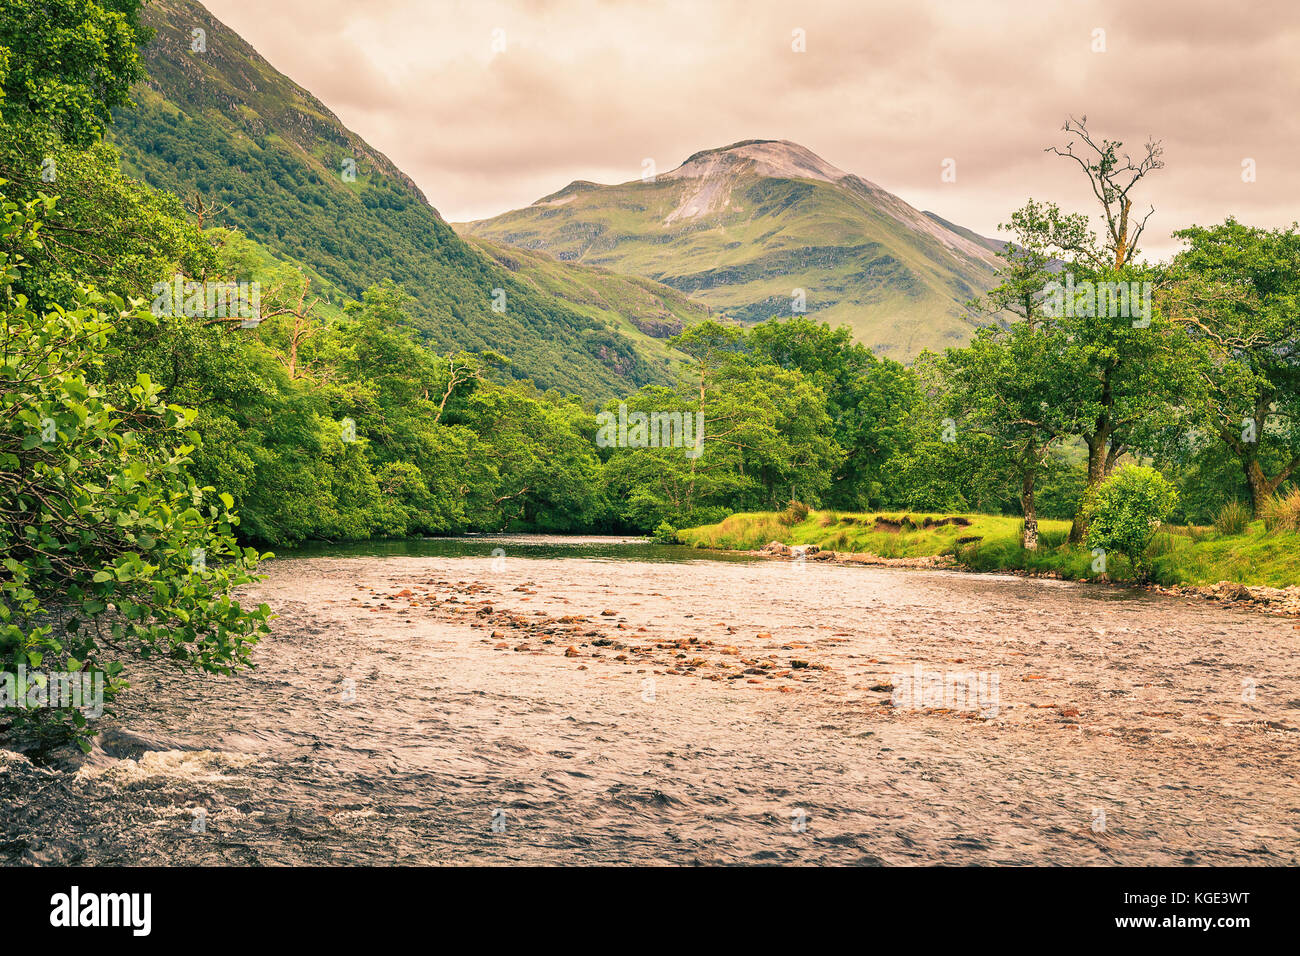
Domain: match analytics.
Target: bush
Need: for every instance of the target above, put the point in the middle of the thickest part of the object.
(1233, 518)
(1125, 512)
(1282, 512)
(666, 533)
(794, 512)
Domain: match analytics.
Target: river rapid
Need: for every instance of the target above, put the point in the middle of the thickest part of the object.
(545, 700)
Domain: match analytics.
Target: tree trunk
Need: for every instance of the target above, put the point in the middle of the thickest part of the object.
(1027, 480)
(1099, 461)
(1257, 484)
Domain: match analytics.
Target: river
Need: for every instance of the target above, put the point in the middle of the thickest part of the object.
(556, 700)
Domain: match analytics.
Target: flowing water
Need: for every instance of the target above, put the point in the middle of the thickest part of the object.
(548, 700)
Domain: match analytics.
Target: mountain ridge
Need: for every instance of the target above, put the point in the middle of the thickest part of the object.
(744, 227)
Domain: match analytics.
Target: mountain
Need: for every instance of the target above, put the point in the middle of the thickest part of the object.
(741, 227)
(269, 158)
(653, 310)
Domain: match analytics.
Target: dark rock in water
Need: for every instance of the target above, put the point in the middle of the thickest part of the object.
(124, 745)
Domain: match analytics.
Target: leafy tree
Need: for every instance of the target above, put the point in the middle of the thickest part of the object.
(870, 401)
(105, 226)
(674, 486)
(109, 546)
(69, 64)
(547, 473)
(767, 433)
(1008, 384)
(1128, 360)
(1240, 303)
(1125, 512)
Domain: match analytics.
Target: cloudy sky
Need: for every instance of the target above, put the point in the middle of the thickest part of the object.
(491, 104)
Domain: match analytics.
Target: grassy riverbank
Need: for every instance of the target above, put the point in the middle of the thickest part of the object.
(1180, 555)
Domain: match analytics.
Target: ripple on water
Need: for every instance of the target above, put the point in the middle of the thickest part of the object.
(455, 748)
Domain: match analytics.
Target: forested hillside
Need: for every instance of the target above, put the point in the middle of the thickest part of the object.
(219, 126)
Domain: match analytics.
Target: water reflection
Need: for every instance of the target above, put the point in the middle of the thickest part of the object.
(537, 546)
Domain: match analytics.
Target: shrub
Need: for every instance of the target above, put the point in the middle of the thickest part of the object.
(794, 512)
(1125, 512)
(666, 533)
(1282, 512)
(1233, 518)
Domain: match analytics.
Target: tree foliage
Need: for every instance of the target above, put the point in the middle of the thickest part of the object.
(1125, 512)
(109, 546)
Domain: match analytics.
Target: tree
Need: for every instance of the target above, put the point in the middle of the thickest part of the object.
(1014, 386)
(1040, 230)
(870, 402)
(70, 63)
(109, 546)
(1113, 177)
(1127, 357)
(106, 227)
(1243, 313)
(1126, 511)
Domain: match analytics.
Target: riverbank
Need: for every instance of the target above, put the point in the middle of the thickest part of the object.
(1256, 567)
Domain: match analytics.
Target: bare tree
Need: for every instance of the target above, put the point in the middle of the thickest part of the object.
(203, 209)
(300, 331)
(1112, 176)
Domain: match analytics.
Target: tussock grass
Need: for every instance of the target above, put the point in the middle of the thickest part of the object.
(1282, 512)
(1233, 518)
(1180, 555)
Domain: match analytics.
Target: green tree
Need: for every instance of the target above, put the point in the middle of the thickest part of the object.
(109, 546)
(1240, 302)
(870, 401)
(1125, 512)
(1013, 386)
(1127, 358)
(69, 64)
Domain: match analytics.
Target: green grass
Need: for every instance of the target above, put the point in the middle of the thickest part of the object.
(1257, 556)
(992, 543)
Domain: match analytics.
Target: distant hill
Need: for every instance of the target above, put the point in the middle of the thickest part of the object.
(741, 227)
(225, 124)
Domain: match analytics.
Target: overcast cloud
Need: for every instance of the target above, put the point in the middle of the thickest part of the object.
(587, 89)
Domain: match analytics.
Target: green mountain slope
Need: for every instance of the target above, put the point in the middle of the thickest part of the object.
(742, 227)
(654, 311)
(223, 124)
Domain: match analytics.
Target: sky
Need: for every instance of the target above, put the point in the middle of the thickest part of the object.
(491, 104)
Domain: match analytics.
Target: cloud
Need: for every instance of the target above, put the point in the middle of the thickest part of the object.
(588, 89)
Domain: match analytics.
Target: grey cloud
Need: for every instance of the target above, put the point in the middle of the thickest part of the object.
(587, 89)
